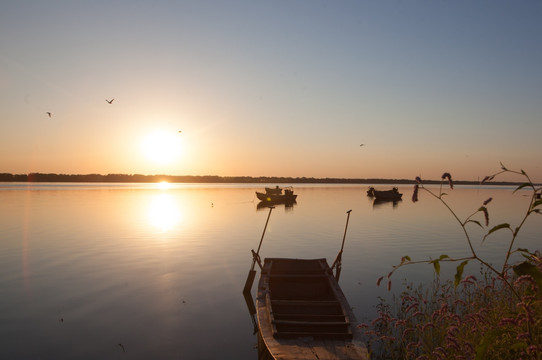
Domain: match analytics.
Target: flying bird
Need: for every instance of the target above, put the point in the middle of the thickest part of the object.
(48, 113)
(109, 101)
(362, 145)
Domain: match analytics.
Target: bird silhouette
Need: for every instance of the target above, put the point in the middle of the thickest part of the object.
(362, 145)
(109, 101)
(48, 113)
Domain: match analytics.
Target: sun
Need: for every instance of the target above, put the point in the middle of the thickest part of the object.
(162, 147)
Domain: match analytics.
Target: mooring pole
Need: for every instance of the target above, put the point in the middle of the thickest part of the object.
(338, 260)
(255, 258)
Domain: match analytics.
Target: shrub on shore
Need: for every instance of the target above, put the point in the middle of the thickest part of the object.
(495, 316)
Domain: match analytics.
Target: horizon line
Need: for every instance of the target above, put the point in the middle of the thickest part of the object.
(118, 177)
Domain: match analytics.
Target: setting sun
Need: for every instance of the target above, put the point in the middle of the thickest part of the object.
(162, 147)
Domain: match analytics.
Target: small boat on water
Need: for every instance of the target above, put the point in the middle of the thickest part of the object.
(392, 194)
(270, 197)
(303, 314)
(301, 310)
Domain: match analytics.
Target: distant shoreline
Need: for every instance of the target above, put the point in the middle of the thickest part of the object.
(139, 178)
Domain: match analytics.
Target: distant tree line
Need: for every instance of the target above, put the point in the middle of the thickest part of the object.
(139, 178)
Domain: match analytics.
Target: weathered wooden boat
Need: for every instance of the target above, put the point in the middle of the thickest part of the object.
(273, 191)
(303, 314)
(392, 194)
(288, 196)
(301, 310)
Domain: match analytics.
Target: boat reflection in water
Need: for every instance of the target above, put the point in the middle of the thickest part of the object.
(382, 202)
(267, 204)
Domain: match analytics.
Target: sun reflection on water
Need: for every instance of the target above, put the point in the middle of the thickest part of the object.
(164, 213)
(163, 185)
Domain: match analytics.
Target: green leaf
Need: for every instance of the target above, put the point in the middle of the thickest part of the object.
(536, 203)
(475, 222)
(520, 345)
(498, 227)
(527, 268)
(503, 167)
(488, 339)
(443, 257)
(459, 273)
(522, 186)
(436, 265)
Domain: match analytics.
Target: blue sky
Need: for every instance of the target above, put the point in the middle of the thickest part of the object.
(272, 88)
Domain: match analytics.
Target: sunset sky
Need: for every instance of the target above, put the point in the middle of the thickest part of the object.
(272, 88)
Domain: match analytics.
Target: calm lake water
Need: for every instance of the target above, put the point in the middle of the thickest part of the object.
(86, 267)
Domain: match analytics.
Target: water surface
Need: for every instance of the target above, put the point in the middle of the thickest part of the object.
(86, 267)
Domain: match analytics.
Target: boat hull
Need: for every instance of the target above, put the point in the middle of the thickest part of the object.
(303, 313)
(271, 198)
(387, 195)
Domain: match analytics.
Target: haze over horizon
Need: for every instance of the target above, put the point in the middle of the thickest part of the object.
(349, 89)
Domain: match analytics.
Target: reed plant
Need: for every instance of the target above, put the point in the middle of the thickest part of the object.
(497, 315)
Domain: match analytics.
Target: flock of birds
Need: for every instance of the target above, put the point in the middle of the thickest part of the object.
(110, 102)
(50, 114)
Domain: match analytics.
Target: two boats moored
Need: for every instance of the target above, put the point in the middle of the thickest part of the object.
(276, 196)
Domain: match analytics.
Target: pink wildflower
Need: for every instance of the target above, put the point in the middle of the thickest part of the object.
(459, 301)
(453, 330)
(427, 326)
(452, 343)
(400, 323)
(525, 279)
(439, 352)
(507, 321)
(533, 349)
(413, 306)
(418, 313)
(447, 175)
(385, 337)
